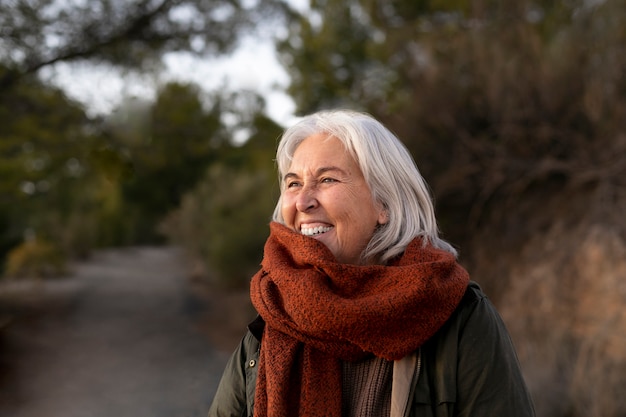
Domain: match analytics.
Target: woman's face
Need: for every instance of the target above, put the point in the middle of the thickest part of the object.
(325, 196)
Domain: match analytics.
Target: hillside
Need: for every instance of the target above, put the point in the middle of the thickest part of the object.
(561, 288)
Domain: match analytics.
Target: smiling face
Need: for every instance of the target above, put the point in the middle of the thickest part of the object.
(325, 196)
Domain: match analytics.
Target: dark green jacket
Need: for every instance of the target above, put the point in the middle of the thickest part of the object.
(469, 368)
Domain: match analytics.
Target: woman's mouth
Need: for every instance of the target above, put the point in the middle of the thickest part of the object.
(312, 231)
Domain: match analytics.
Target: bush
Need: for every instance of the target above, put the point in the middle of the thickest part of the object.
(36, 258)
(223, 225)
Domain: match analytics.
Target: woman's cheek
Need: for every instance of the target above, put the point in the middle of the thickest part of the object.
(287, 209)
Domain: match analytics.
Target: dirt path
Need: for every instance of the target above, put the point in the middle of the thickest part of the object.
(127, 335)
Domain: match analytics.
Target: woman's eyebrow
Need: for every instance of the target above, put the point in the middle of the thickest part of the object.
(324, 170)
(289, 175)
(318, 172)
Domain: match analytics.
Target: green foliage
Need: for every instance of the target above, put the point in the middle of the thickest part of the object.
(81, 183)
(223, 222)
(167, 145)
(325, 60)
(44, 145)
(36, 259)
(352, 53)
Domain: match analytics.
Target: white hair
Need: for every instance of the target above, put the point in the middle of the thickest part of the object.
(388, 169)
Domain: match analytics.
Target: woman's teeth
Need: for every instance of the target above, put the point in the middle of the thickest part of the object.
(311, 231)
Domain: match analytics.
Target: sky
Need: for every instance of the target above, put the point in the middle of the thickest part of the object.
(253, 65)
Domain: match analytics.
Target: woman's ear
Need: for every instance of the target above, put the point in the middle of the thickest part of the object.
(383, 216)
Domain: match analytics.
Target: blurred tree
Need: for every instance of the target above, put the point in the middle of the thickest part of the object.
(169, 143)
(38, 33)
(44, 164)
(80, 183)
(370, 54)
(76, 179)
(223, 221)
(355, 53)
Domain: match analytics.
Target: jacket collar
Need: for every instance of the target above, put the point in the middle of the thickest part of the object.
(256, 327)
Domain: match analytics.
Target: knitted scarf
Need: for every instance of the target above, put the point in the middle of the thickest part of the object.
(318, 312)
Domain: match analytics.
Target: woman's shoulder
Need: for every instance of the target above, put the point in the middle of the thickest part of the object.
(474, 299)
(475, 311)
(473, 293)
(475, 318)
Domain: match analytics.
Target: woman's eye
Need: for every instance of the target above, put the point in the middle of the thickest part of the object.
(328, 180)
(292, 184)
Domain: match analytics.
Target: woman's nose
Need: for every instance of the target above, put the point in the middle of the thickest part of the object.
(306, 200)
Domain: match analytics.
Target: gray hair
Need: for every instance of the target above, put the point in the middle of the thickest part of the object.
(388, 169)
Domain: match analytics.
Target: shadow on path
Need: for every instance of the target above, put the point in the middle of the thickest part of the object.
(127, 335)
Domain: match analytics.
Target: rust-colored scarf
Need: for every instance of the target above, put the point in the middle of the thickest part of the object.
(319, 312)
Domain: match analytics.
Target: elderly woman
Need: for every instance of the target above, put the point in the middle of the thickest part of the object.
(363, 308)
